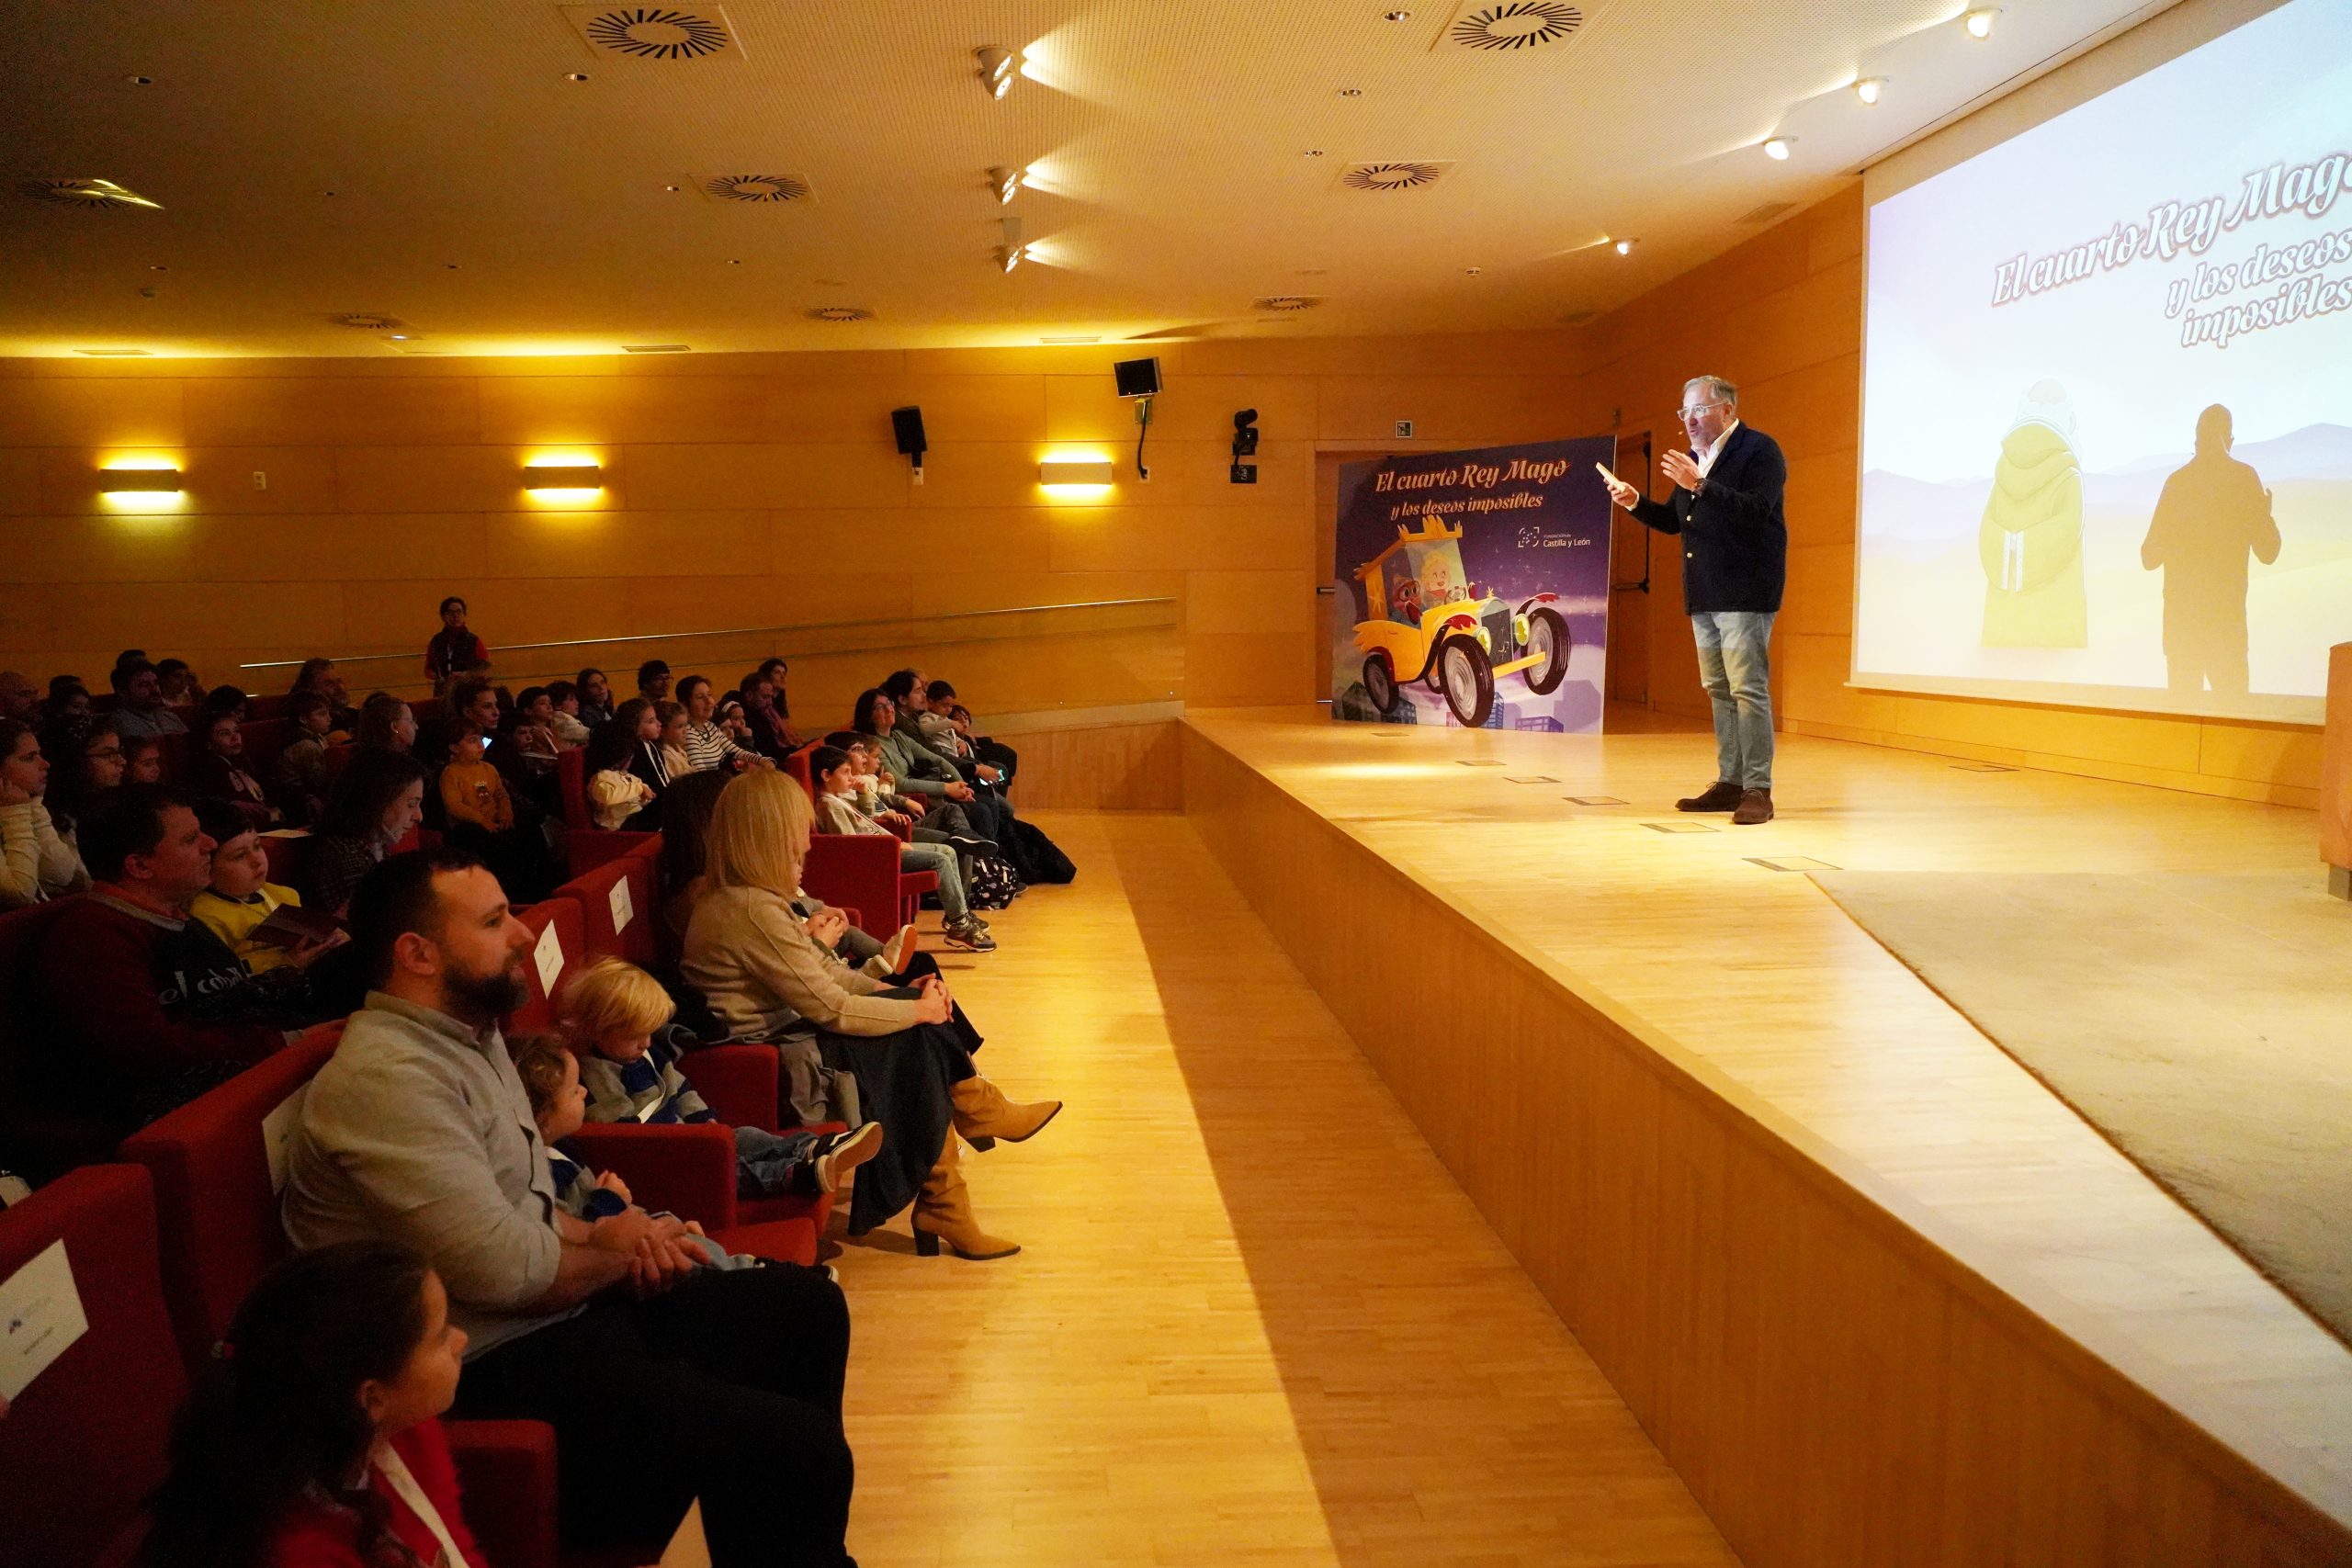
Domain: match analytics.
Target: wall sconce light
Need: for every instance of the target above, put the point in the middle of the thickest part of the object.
(1624, 247)
(1979, 22)
(997, 68)
(1005, 182)
(1776, 147)
(139, 481)
(1870, 89)
(1058, 472)
(563, 476)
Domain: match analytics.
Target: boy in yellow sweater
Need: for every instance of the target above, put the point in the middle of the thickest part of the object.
(241, 898)
(471, 789)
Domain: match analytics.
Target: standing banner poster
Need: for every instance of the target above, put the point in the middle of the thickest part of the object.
(1472, 588)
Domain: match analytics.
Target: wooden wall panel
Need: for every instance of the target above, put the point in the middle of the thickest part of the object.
(1782, 315)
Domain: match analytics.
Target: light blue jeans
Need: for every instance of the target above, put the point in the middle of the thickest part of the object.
(1734, 649)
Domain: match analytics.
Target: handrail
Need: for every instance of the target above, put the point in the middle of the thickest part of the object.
(734, 631)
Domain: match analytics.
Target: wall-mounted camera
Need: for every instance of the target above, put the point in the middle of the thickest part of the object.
(1245, 444)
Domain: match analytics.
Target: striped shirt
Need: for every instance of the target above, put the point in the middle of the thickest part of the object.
(648, 1089)
(707, 747)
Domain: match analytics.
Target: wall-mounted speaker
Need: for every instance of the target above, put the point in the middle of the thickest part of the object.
(908, 425)
(1136, 378)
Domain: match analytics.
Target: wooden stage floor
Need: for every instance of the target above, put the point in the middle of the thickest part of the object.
(1749, 977)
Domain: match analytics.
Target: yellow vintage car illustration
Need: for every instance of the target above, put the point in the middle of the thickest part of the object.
(1424, 620)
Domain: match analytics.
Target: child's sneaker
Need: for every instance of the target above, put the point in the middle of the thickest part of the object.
(838, 1154)
(970, 935)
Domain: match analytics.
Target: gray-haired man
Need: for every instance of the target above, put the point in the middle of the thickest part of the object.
(1727, 509)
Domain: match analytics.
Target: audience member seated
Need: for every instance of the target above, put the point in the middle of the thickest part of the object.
(376, 803)
(68, 698)
(950, 721)
(142, 758)
(20, 698)
(35, 862)
(84, 758)
(300, 779)
(617, 796)
(616, 1020)
(766, 979)
(550, 1076)
(139, 707)
(563, 716)
(145, 1007)
(706, 745)
(908, 691)
(238, 903)
(732, 719)
(654, 681)
(479, 812)
(833, 774)
(453, 650)
(664, 1381)
(671, 718)
(177, 683)
(924, 777)
(773, 670)
(595, 698)
(1032, 855)
(319, 675)
(228, 700)
(770, 736)
(311, 1438)
(217, 770)
(386, 724)
(530, 729)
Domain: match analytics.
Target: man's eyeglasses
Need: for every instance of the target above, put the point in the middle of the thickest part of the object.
(1695, 410)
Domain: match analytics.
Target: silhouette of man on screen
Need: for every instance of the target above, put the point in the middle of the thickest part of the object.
(2213, 512)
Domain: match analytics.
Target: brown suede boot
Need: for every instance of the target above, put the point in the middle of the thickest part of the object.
(1754, 806)
(943, 1212)
(984, 1115)
(1717, 796)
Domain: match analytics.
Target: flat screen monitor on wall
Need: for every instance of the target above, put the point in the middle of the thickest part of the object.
(2106, 413)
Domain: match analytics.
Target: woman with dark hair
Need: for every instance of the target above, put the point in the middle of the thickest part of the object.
(85, 757)
(314, 1438)
(35, 862)
(386, 724)
(595, 697)
(377, 801)
(640, 719)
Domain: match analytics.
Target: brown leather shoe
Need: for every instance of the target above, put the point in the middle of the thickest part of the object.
(1719, 797)
(1754, 806)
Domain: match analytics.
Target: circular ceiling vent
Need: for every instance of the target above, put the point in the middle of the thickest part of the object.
(368, 321)
(1286, 302)
(1391, 176)
(1516, 23)
(755, 187)
(90, 196)
(841, 313)
(657, 32)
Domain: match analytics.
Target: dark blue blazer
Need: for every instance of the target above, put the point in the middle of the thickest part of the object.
(1734, 537)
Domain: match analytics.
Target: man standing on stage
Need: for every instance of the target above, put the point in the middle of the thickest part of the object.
(1727, 509)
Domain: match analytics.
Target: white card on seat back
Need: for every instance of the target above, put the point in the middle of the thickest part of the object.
(549, 953)
(276, 1129)
(40, 1315)
(621, 909)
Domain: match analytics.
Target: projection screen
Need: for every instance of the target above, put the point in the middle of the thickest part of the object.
(2107, 414)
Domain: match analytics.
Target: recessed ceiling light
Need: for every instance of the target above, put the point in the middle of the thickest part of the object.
(1979, 22)
(1395, 16)
(1472, 271)
(157, 266)
(734, 261)
(1869, 88)
(575, 75)
(673, 189)
(326, 193)
(1351, 92)
(1776, 147)
(1315, 151)
(141, 81)
(999, 66)
(1624, 247)
(401, 337)
(450, 267)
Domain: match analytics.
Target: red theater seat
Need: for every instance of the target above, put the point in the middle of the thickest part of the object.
(267, 708)
(34, 1142)
(619, 909)
(264, 739)
(559, 944)
(585, 845)
(85, 1442)
(860, 870)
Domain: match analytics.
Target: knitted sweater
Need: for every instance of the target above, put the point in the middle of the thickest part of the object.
(650, 1089)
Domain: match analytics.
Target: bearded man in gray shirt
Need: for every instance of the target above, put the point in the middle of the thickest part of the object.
(663, 1382)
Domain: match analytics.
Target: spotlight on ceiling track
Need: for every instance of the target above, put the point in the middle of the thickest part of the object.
(1870, 89)
(1624, 247)
(997, 68)
(1009, 257)
(1979, 22)
(1005, 182)
(1776, 147)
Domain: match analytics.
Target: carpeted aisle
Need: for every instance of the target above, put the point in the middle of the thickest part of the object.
(2203, 1023)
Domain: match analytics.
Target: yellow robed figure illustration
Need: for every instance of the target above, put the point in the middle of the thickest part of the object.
(2031, 538)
